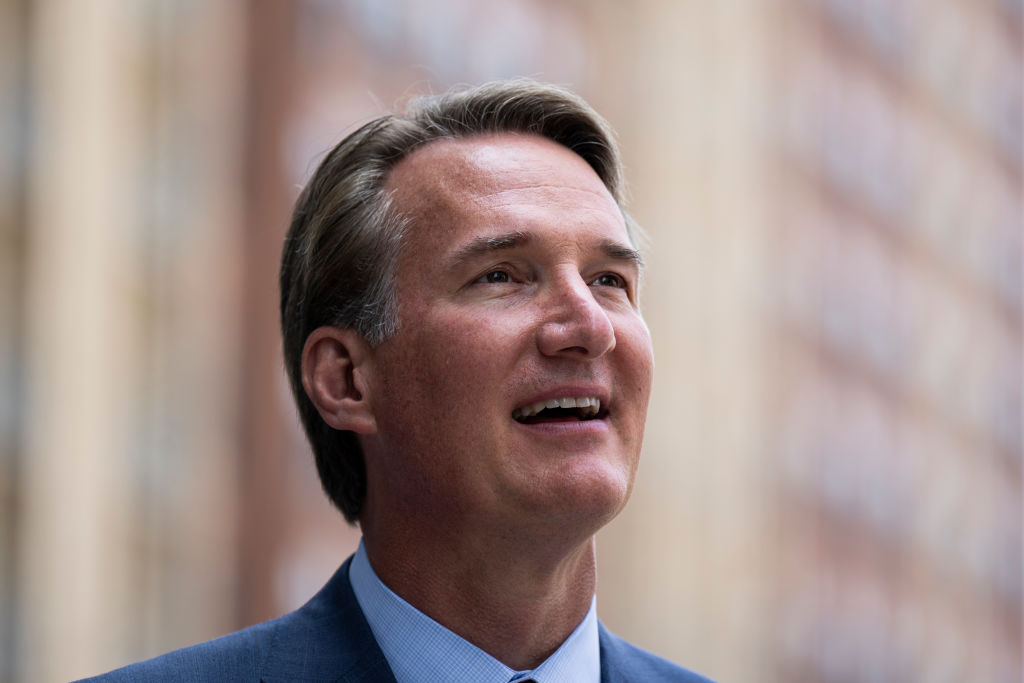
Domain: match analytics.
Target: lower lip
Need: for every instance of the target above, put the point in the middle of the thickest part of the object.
(566, 427)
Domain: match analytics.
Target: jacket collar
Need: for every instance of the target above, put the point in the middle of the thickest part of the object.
(328, 639)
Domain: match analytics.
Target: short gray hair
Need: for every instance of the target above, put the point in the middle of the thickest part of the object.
(339, 257)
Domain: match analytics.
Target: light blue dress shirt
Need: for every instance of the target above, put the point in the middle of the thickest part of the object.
(420, 649)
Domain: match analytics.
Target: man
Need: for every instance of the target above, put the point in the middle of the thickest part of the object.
(459, 304)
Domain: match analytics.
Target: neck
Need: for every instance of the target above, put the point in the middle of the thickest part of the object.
(518, 605)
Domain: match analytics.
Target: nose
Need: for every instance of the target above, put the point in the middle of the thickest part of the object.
(575, 324)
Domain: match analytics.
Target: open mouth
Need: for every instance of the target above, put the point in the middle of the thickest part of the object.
(569, 409)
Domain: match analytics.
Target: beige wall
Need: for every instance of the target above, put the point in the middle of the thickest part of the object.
(831, 481)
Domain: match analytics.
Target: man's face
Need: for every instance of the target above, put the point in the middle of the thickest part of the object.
(517, 288)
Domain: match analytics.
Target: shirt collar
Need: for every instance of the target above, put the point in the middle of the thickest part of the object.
(418, 648)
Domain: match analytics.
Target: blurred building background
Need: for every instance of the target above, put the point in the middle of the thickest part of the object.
(831, 487)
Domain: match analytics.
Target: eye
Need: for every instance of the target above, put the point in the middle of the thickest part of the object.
(495, 277)
(609, 280)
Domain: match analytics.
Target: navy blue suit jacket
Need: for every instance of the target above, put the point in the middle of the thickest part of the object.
(328, 639)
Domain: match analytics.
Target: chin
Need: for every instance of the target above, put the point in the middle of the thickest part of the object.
(587, 500)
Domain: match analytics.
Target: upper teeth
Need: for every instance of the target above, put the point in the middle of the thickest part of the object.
(591, 404)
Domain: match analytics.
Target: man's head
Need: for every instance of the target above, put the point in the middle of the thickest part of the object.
(392, 218)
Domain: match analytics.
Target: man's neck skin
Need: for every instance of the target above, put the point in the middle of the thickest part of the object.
(518, 604)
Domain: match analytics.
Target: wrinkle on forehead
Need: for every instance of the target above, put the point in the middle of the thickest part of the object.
(435, 180)
(601, 193)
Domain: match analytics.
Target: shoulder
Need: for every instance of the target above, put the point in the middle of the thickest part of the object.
(622, 661)
(238, 656)
(326, 638)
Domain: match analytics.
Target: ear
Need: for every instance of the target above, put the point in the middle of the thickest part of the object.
(335, 364)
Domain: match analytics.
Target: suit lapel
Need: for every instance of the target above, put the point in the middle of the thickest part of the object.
(328, 639)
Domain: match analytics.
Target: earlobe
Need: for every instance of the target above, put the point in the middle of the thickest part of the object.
(335, 364)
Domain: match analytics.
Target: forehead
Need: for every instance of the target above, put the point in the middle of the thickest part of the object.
(449, 181)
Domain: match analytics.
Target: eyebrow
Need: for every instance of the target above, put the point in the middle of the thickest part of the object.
(620, 252)
(487, 245)
(481, 246)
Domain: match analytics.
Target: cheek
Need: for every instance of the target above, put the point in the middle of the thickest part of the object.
(637, 370)
(638, 361)
(452, 352)
(440, 392)
(450, 366)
